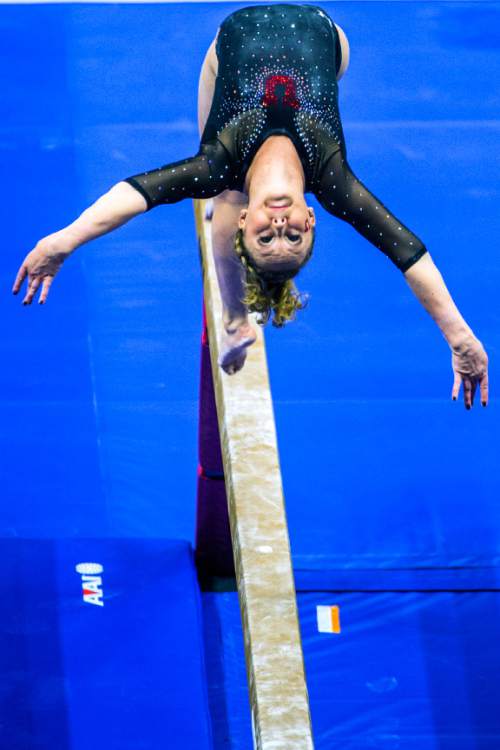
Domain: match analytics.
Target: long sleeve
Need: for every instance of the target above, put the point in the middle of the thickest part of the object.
(201, 176)
(343, 195)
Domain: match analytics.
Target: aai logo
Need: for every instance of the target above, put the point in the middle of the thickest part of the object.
(91, 582)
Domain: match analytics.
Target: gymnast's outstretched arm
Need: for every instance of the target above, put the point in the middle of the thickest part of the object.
(342, 194)
(201, 176)
(469, 359)
(238, 333)
(120, 204)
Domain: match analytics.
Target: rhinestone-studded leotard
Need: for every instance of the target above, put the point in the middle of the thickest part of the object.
(277, 74)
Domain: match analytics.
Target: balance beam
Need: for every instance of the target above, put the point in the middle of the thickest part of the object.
(273, 651)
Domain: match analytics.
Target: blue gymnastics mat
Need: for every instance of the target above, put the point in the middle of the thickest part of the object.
(412, 671)
(121, 671)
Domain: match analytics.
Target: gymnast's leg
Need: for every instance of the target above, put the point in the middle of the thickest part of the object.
(206, 85)
(238, 333)
(345, 51)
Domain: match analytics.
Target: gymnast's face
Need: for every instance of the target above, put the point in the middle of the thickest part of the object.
(277, 231)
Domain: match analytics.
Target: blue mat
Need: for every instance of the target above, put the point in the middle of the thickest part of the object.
(406, 670)
(109, 661)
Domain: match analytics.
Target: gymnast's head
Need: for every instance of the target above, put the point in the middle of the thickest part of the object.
(278, 230)
(274, 241)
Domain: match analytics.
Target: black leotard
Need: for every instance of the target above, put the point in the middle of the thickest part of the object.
(277, 76)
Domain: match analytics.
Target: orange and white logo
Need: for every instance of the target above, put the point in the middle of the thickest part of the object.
(328, 617)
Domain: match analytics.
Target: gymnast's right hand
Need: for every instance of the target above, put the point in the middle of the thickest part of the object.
(233, 347)
(39, 267)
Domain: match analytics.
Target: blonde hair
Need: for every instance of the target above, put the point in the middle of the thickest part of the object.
(268, 292)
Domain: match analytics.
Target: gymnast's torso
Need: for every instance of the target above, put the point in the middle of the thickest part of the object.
(277, 68)
(277, 75)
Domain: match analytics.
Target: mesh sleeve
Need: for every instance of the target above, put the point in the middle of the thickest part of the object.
(343, 195)
(201, 176)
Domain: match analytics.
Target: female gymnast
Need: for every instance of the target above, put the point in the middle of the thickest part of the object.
(270, 131)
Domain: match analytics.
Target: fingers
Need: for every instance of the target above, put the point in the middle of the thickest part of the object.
(472, 391)
(32, 287)
(47, 281)
(483, 387)
(21, 275)
(467, 393)
(470, 386)
(470, 366)
(456, 386)
(235, 365)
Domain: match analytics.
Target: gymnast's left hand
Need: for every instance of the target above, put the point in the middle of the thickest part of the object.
(40, 266)
(470, 366)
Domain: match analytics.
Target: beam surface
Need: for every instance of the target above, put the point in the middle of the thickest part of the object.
(275, 667)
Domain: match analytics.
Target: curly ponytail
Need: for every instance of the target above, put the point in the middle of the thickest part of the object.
(269, 292)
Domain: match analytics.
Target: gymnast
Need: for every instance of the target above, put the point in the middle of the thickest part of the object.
(270, 131)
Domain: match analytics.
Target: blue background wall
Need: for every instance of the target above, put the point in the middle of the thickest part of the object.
(99, 388)
(388, 483)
